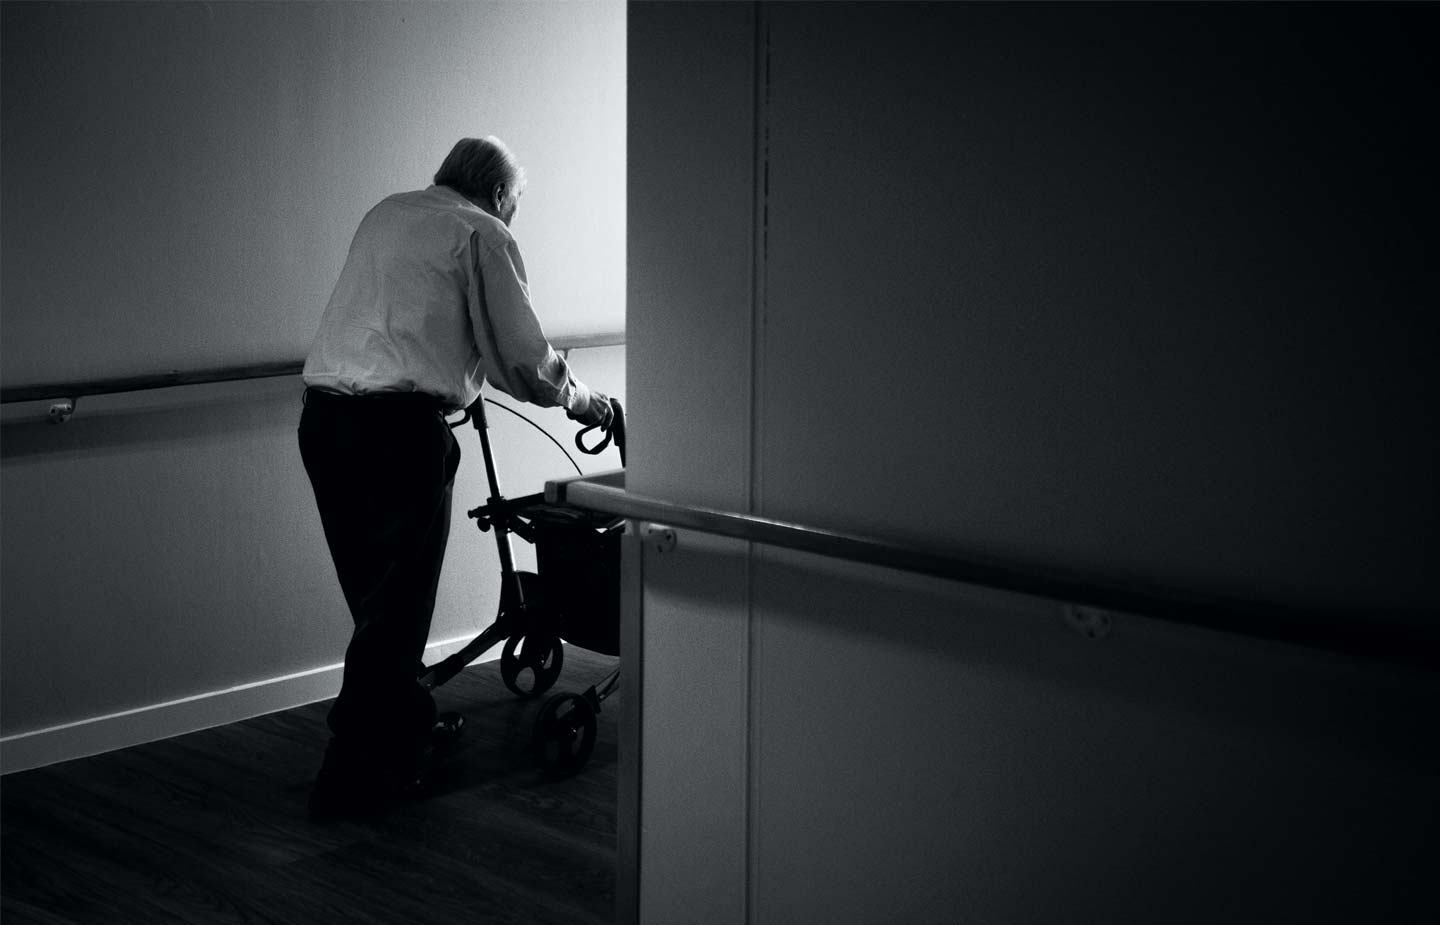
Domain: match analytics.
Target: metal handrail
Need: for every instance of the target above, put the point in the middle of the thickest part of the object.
(82, 388)
(74, 390)
(1372, 635)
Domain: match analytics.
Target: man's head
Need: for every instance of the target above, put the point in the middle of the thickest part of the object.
(485, 172)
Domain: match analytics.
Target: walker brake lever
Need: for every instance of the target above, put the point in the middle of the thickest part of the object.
(617, 428)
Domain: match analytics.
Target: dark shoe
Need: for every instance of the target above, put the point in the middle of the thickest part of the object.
(445, 734)
(348, 788)
(338, 798)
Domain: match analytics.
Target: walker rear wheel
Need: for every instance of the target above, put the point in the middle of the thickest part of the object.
(530, 663)
(564, 735)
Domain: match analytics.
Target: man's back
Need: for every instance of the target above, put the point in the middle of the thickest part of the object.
(399, 318)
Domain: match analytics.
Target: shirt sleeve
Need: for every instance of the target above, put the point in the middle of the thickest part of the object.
(518, 357)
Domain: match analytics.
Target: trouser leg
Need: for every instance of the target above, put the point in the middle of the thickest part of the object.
(383, 487)
(381, 703)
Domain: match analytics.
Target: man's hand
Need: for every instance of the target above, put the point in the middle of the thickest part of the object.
(597, 413)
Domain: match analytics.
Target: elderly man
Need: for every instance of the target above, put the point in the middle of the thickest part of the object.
(431, 303)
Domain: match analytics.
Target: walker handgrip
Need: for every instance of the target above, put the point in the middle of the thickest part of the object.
(595, 450)
(615, 432)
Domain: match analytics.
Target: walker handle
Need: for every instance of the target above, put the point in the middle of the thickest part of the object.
(615, 432)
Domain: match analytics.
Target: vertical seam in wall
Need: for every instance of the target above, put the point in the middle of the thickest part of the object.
(632, 713)
(760, 242)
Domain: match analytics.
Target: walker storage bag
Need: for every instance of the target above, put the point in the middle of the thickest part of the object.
(578, 555)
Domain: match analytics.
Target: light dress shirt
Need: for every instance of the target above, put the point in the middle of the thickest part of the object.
(433, 298)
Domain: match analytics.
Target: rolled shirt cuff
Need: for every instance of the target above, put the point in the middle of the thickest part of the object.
(580, 397)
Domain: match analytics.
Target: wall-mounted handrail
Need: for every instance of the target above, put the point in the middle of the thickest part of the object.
(1370, 635)
(82, 388)
(116, 385)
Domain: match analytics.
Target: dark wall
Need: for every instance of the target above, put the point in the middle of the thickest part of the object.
(1142, 292)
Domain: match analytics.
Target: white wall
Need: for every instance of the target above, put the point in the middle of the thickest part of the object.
(181, 182)
(1137, 293)
(162, 558)
(182, 179)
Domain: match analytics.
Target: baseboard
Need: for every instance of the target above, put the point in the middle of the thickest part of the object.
(99, 734)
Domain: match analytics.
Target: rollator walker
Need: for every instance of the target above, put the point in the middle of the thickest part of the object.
(575, 597)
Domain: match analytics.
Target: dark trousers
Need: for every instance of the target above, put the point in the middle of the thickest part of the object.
(382, 467)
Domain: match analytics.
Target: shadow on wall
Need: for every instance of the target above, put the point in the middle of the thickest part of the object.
(882, 608)
(1124, 764)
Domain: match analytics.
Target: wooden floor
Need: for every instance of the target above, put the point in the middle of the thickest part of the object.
(211, 827)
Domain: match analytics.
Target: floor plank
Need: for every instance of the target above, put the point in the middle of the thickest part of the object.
(212, 827)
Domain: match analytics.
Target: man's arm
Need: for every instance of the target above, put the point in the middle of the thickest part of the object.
(518, 357)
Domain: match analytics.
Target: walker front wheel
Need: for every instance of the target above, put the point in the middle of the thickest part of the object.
(564, 735)
(530, 663)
